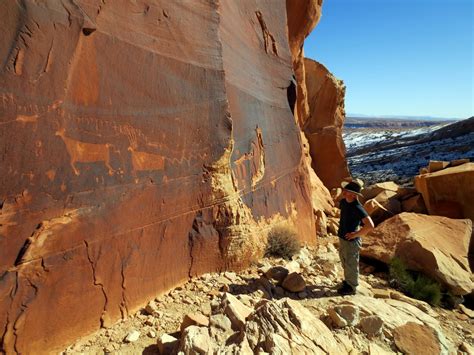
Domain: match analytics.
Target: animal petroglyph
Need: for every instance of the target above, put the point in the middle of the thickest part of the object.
(143, 160)
(81, 152)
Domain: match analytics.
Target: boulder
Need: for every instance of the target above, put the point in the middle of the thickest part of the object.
(166, 344)
(371, 325)
(132, 336)
(413, 338)
(375, 189)
(235, 310)
(457, 162)
(348, 312)
(196, 319)
(435, 246)
(277, 273)
(448, 192)
(414, 204)
(196, 340)
(389, 200)
(152, 308)
(436, 165)
(294, 282)
(376, 211)
(220, 328)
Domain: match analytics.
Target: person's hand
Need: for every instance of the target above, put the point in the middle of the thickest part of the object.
(351, 236)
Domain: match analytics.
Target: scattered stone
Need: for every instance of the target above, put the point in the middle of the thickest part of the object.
(375, 189)
(381, 293)
(436, 165)
(293, 266)
(232, 276)
(151, 333)
(132, 336)
(279, 291)
(194, 319)
(196, 340)
(414, 204)
(294, 282)
(150, 322)
(371, 325)
(333, 225)
(303, 295)
(375, 349)
(369, 269)
(286, 327)
(467, 348)
(413, 338)
(466, 311)
(166, 344)
(277, 273)
(220, 328)
(336, 318)
(235, 310)
(349, 313)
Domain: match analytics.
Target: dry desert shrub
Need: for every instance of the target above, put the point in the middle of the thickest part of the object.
(282, 242)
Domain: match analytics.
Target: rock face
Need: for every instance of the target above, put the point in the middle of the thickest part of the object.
(302, 18)
(448, 192)
(324, 125)
(142, 143)
(436, 246)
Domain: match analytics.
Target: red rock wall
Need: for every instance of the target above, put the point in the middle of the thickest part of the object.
(142, 143)
(303, 16)
(323, 128)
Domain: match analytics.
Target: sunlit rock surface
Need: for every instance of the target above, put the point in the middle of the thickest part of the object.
(142, 143)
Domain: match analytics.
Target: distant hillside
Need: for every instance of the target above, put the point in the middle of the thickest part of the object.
(382, 153)
(395, 123)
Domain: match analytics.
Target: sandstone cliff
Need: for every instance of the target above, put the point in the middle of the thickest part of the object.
(142, 143)
(323, 128)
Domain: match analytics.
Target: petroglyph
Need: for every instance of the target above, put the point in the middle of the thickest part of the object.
(27, 119)
(142, 160)
(81, 152)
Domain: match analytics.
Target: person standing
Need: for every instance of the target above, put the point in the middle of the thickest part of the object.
(354, 223)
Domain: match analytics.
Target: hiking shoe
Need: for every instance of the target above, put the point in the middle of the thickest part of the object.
(346, 289)
(343, 285)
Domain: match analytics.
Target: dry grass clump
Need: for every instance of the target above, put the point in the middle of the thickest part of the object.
(282, 242)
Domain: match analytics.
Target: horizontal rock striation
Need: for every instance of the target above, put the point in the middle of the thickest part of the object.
(142, 143)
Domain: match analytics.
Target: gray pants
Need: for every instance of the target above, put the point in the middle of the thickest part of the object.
(349, 255)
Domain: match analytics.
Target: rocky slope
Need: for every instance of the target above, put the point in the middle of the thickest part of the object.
(143, 143)
(379, 320)
(381, 154)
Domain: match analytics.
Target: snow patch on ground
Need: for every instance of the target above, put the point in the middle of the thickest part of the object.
(381, 155)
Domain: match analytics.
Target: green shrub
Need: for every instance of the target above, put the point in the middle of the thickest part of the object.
(282, 242)
(414, 284)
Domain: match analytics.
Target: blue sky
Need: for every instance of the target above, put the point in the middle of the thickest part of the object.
(399, 57)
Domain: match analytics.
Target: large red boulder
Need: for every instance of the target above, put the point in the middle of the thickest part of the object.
(436, 246)
(142, 143)
(449, 192)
